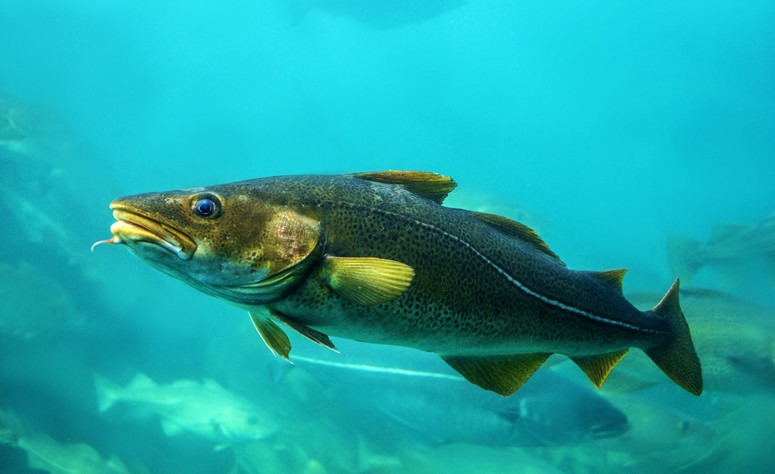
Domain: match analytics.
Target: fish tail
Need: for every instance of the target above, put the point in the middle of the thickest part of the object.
(106, 393)
(684, 255)
(676, 356)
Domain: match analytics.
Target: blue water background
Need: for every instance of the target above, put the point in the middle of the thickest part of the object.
(606, 125)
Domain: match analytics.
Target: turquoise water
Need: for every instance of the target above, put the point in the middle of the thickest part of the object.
(607, 126)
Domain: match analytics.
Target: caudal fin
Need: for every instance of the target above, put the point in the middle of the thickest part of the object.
(684, 255)
(677, 357)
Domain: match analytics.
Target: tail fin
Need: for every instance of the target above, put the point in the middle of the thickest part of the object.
(677, 357)
(106, 393)
(684, 256)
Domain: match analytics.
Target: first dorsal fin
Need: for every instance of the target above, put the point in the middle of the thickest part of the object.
(428, 185)
(612, 278)
(518, 230)
(501, 374)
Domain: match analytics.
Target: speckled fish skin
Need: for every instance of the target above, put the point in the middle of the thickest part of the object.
(459, 302)
(477, 292)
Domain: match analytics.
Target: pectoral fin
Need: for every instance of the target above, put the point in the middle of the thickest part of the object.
(274, 337)
(501, 374)
(598, 367)
(315, 336)
(367, 281)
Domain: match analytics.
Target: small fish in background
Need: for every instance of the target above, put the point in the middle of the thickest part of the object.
(727, 250)
(375, 257)
(204, 409)
(432, 406)
(46, 454)
(734, 338)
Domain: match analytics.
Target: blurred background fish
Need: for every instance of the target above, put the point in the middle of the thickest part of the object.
(437, 407)
(49, 455)
(732, 250)
(204, 409)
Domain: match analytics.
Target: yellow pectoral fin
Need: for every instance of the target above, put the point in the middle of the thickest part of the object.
(274, 337)
(367, 281)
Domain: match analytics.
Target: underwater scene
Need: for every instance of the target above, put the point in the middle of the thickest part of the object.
(466, 314)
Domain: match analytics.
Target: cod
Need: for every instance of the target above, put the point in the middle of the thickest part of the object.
(375, 257)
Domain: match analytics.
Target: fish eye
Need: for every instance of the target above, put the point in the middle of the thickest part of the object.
(206, 205)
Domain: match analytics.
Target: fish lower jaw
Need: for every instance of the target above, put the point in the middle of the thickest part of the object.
(129, 233)
(131, 228)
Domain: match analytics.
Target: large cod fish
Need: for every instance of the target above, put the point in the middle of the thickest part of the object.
(376, 258)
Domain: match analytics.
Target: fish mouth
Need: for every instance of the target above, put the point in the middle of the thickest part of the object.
(610, 430)
(133, 228)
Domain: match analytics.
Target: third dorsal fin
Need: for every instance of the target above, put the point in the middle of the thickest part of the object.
(612, 278)
(516, 229)
(428, 185)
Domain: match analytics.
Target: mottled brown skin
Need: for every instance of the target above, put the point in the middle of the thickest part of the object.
(458, 303)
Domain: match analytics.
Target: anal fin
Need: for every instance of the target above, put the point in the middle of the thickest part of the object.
(274, 337)
(597, 367)
(500, 374)
(315, 336)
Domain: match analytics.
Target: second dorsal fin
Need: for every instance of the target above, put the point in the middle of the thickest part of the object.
(518, 230)
(422, 183)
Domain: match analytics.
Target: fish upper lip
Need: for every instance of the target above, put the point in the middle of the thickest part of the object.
(135, 227)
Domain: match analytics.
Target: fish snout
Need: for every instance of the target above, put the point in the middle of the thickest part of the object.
(133, 227)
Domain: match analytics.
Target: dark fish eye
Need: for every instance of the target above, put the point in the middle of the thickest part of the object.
(206, 205)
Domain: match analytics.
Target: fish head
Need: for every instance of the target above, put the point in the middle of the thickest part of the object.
(238, 425)
(223, 241)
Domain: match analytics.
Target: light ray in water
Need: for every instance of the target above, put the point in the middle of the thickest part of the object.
(380, 370)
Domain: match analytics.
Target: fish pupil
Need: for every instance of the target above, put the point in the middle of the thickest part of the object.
(205, 207)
